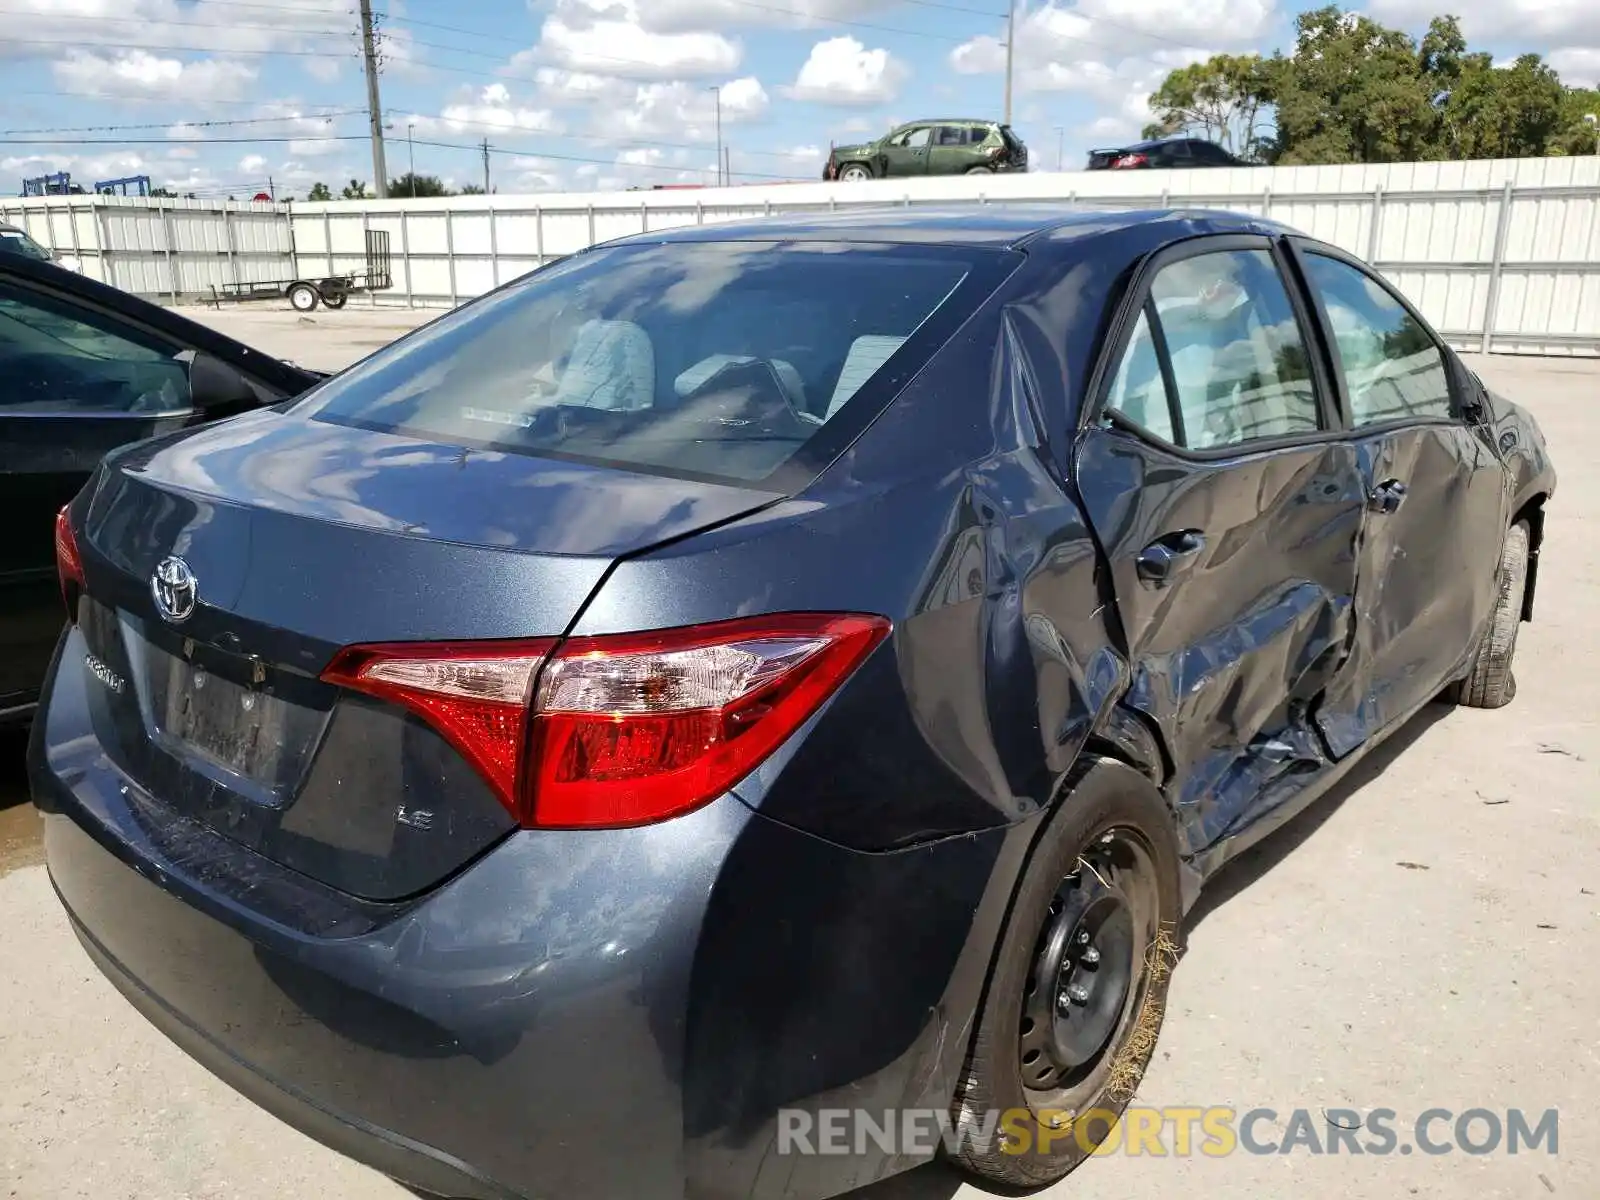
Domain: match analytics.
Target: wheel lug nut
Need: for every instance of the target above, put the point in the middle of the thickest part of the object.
(1090, 956)
(1063, 1000)
(1078, 993)
(1083, 937)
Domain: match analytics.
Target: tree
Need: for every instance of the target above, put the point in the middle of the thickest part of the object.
(414, 185)
(163, 193)
(472, 189)
(319, 191)
(1574, 135)
(1353, 92)
(1222, 99)
(355, 190)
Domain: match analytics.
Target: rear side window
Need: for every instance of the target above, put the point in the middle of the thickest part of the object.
(1393, 370)
(736, 361)
(1237, 369)
(57, 358)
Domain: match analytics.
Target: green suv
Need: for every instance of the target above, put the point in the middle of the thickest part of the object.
(931, 148)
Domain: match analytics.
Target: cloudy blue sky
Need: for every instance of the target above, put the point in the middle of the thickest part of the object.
(580, 94)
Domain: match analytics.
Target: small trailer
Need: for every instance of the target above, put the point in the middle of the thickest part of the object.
(332, 290)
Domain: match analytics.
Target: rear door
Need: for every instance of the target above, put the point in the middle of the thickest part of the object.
(954, 149)
(1228, 508)
(74, 384)
(1438, 500)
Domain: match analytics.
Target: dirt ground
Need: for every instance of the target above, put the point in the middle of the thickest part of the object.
(1426, 937)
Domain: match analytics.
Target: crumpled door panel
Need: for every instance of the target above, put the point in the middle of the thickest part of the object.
(1230, 656)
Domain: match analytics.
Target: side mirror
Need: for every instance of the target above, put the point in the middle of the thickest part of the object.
(217, 389)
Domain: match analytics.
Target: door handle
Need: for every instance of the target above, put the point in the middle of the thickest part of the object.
(1387, 497)
(1169, 556)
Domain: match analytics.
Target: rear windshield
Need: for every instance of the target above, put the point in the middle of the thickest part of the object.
(14, 241)
(748, 362)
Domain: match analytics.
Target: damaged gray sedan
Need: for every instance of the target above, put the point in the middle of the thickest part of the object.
(742, 672)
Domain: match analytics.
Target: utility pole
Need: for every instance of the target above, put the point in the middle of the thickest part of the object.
(369, 54)
(716, 93)
(1011, 42)
(271, 190)
(485, 166)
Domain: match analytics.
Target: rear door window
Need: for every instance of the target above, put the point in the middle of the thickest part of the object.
(740, 361)
(1393, 369)
(1236, 365)
(57, 358)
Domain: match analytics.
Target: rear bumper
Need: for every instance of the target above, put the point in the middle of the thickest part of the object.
(617, 1015)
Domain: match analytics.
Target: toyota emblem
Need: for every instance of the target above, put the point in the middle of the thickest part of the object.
(175, 589)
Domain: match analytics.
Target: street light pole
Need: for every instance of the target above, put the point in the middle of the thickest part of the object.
(1061, 139)
(716, 92)
(1011, 42)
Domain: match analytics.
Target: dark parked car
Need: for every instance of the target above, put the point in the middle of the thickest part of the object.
(85, 368)
(949, 147)
(15, 242)
(1164, 152)
(742, 672)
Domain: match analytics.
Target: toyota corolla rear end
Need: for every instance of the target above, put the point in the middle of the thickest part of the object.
(370, 784)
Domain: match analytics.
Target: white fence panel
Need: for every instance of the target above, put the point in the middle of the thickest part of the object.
(1500, 255)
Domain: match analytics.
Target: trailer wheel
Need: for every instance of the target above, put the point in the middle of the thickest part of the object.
(302, 297)
(335, 299)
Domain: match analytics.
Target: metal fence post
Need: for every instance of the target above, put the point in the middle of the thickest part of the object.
(1376, 224)
(1491, 301)
(591, 224)
(538, 232)
(172, 265)
(1266, 202)
(227, 241)
(494, 251)
(372, 296)
(405, 253)
(102, 237)
(644, 217)
(327, 239)
(450, 253)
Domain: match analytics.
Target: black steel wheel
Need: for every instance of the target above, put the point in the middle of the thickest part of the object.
(335, 299)
(1079, 983)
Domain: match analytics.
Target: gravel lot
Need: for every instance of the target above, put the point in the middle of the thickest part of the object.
(1423, 938)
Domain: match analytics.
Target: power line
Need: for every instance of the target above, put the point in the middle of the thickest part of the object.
(343, 112)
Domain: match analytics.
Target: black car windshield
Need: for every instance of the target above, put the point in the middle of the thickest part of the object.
(743, 361)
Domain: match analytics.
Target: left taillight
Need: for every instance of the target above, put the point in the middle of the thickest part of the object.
(1130, 160)
(620, 730)
(69, 564)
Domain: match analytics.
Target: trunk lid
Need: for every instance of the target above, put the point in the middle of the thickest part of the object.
(296, 538)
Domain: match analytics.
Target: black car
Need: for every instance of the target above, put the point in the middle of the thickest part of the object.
(85, 368)
(742, 673)
(1163, 153)
(15, 242)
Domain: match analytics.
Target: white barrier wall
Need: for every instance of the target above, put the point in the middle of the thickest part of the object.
(1501, 255)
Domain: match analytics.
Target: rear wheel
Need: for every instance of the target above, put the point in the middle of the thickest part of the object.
(854, 173)
(335, 299)
(302, 297)
(1490, 682)
(1078, 989)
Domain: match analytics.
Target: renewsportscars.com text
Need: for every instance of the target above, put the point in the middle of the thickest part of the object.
(1175, 1131)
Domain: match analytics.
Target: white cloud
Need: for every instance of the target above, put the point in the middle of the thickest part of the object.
(842, 71)
(804, 154)
(607, 37)
(492, 109)
(1527, 22)
(207, 28)
(140, 74)
(674, 15)
(1578, 65)
(683, 112)
(252, 164)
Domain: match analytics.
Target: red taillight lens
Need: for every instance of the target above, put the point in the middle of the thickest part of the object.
(69, 564)
(623, 730)
(474, 693)
(1129, 160)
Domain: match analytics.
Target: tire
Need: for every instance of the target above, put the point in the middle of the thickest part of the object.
(1107, 862)
(1489, 682)
(979, 171)
(302, 297)
(335, 299)
(854, 173)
